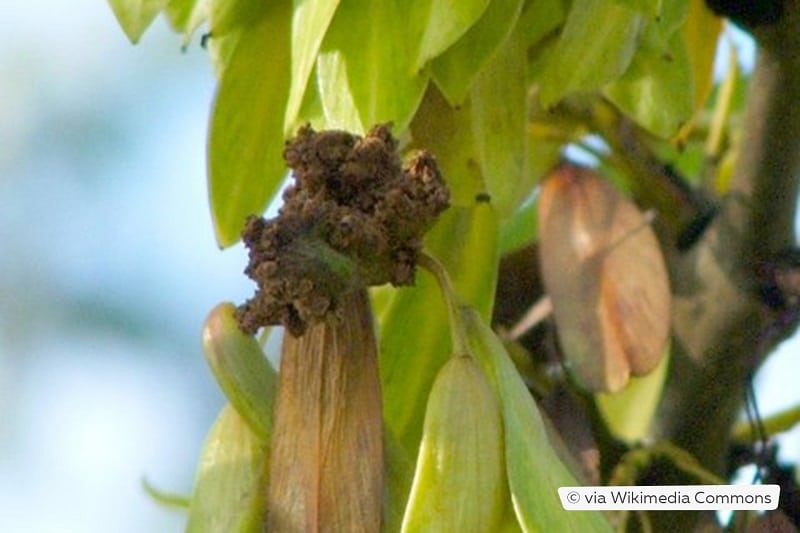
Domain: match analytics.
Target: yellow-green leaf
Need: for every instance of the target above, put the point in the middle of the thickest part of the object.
(595, 47)
(185, 16)
(413, 340)
(455, 70)
(240, 368)
(226, 16)
(657, 90)
(246, 133)
(533, 467)
(447, 132)
(446, 22)
(310, 21)
(701, 34)
(459, 483)
(629, 413)
(135, 15)
(499, 125)
(364, 67)
(229, 491)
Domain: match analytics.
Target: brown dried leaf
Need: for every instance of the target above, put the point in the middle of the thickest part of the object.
(326, 461)
(604, 271)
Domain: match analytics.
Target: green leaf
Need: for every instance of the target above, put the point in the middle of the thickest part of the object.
(499, 124)
(309, 23)
(185, 16)
(595, 47)
(446, 22)
(164, 498)
(230, 485)
(398, 475)
(701, 35)
(135, 15)
(651, 8)
(413, 340)
(533, 467)
(246, 133)
(630, 412)
(541, 18)
(226, 16)
(459, 482)
(447, 133)
(455, 70)
(657, 91)
(364, 68)
(521, 228)
(311, 111)
(241, 369)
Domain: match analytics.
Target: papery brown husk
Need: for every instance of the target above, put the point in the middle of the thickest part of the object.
(326, 458)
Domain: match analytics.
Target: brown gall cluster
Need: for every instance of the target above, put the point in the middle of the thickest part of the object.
(353, 218)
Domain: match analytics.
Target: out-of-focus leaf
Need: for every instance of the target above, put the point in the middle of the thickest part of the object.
(459, 483)
(533, 467)
(225, 16)
(456, 69)
(185, 16)
(499, 125)
(135, 15)
(399, 474)
(590, 53)
(657, 90)
(365, 67)
(541, 18)
(311, 111)
(651, 8)
(309, 23)
(413, 340)
(447, 132)
(167, 499)
(241, 369)
(629, 412)
(521, 228)
(701, 34)
(229, 491)
(246, 133)
(445, 22)
(603, 270)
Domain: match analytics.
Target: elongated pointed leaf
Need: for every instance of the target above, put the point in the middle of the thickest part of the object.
(533, 467)
(241, 369)
(701, 34)
(447, 132)
(499, 125)
(229, 492)
(459, 483)
(657, 90)
(603, 270)
(365, 68)
(413, 341)
(185, 16)
(445, 22)
(455, 70)
(590, 53)
(135, 15)
(227, 16)
(310, 21)
(246, 132)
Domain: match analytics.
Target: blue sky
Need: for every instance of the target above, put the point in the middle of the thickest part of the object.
(108, 269)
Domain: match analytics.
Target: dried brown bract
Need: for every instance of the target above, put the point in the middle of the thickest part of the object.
(354, 217)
